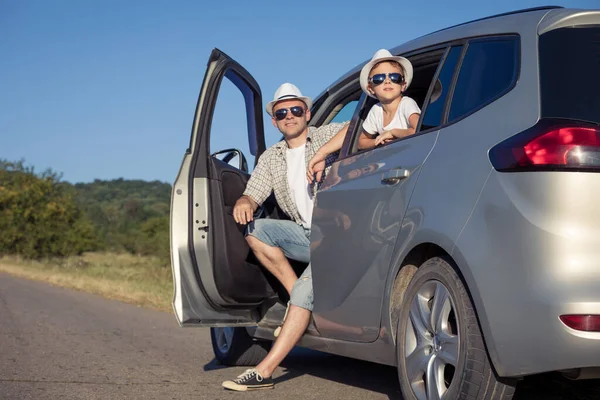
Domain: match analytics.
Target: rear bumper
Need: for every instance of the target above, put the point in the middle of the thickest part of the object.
(530, 253)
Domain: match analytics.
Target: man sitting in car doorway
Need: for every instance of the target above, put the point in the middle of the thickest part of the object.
(282, 170)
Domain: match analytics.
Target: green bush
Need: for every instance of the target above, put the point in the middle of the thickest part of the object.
(38, 215)
(155, 238)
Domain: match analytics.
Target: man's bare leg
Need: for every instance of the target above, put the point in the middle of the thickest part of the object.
(273, 259)
(294, 327)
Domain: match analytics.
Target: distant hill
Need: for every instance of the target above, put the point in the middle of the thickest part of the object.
(133, 200)
(131, 215)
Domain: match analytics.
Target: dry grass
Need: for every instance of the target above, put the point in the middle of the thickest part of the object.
(143, 281)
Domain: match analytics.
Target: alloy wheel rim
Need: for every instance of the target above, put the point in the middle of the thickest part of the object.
(432, 341)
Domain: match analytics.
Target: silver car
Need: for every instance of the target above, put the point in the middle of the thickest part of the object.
(467, 255)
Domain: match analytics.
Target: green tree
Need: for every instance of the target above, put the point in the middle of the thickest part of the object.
(155, 237)
(38, 215)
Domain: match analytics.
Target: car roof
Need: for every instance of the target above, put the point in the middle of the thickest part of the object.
(511, 22)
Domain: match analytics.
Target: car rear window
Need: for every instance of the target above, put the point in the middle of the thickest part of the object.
(489, 69)
(569, 73)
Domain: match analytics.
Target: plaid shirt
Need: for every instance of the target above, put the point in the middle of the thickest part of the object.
(270, 174)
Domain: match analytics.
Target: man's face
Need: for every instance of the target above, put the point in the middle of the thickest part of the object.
(290, 125)
(387, 90)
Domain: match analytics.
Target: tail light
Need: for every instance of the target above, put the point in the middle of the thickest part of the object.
(586, 323)
(550, 145)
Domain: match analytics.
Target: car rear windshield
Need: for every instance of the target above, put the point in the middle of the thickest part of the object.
(570, 73)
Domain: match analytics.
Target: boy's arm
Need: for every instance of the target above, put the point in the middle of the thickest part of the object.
(366, 141)
(412, 113)
(371, 128)
(413, 120)
(398, 133)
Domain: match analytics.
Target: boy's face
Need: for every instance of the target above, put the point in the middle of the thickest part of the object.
(386, 91)
(285, 120)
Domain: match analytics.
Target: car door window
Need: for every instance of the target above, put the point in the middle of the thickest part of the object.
(434, 111)
(345, 114)
(229, 128)
(425, 66)
(489, 70)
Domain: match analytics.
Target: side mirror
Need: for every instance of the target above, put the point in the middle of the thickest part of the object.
(229, 155)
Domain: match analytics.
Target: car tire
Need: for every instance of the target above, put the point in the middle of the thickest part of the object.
(235, 347)
(440, 350)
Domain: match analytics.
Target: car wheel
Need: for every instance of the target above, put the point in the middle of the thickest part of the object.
(439, 348)
(235, 347)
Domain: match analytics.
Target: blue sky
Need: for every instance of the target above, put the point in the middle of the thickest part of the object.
(107, 89)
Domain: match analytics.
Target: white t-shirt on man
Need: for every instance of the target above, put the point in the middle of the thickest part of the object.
(373, 124)
(301, 190)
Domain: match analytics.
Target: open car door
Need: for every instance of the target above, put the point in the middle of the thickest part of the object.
(216, 282)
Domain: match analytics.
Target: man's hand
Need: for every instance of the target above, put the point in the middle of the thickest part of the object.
(316, 165)
(243, 211)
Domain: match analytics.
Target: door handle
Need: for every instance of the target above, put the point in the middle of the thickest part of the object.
(394, 176)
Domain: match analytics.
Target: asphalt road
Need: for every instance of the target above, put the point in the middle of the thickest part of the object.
(62, 344)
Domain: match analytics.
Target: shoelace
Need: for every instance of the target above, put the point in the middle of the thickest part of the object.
(248, 375)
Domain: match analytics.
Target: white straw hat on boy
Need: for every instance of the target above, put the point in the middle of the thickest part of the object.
(288, 91)
(384, 55)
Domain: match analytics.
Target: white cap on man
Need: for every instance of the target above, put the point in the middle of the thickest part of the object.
(288, 91)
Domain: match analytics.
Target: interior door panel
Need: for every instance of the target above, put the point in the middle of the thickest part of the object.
(238, 280)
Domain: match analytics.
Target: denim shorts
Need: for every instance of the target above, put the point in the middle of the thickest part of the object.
(294, 241)
(302, 292)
